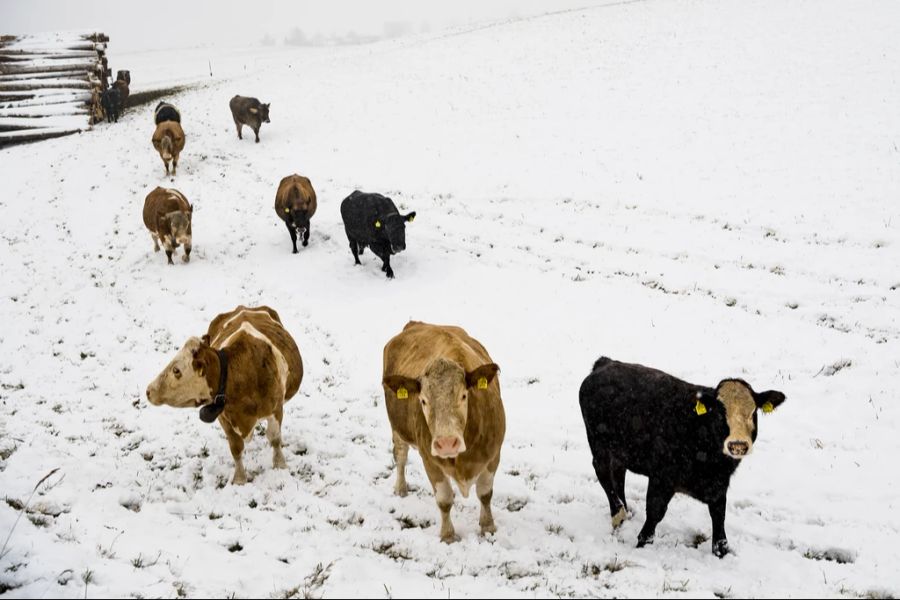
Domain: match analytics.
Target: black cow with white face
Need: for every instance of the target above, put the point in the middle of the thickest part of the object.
(685, 438)
(373, 220)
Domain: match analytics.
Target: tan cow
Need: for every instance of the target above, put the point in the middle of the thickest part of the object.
(443, 397)
(168, 139)
(295, 204)
(167, 214)
(262, 370)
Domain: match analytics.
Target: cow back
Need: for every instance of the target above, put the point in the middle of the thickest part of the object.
(266, 322)
(299, 190)
(162, 201)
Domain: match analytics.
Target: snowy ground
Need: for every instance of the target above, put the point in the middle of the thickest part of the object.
(708, 187)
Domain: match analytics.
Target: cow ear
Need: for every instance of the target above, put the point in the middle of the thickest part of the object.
(769, 401)
(402, 386)
(482, 377)
(267, 105)
(190, 208)
(410, 217)
(205, 339)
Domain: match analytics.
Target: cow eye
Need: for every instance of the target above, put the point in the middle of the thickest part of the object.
(423, 400)
(177, 372)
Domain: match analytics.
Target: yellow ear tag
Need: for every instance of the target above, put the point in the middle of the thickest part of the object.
(287, 210)
(402, 394)
(482, 383)
(411, 219)
(700, 408)
(377, 224)
(768, 407)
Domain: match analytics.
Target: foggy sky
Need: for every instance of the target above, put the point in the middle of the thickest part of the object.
(148, 24)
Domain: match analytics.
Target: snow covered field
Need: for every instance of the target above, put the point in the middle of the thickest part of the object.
(707, 187)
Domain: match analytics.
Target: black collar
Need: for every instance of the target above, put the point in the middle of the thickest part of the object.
(211, 412)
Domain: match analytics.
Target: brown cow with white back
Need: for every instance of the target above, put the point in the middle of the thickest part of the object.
(244, 369)
(443, 397)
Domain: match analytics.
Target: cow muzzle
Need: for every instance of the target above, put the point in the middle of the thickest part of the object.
(448, 446)
(737, 448)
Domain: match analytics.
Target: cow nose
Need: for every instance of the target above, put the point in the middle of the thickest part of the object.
(446, 445)
(738, 448)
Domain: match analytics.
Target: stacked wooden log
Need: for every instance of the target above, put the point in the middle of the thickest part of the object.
(50, 84)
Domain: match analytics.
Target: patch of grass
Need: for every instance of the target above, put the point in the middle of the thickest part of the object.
(312, 583)
(675, 586)
(838, 555)
(516, 504)
(613, 566)
(407, 522)
(235, 547)
(698, 540)
(392, 551)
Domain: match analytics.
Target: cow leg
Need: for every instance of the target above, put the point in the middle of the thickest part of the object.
(256, 132)
(717, 514)
(484, 486)
(293, 233)
(306, 236)
(155, 242)
(174, 164)
(240, 127)
(618, 472)
(187, 254)
(603, 469)
(273, 434)
(166, 163)
(659, 495)
(443, 494)
(385, 256)
(236, 444)
(355, 249)
(401, 454)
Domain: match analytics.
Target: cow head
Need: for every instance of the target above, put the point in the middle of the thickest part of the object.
(262, 111)
(740, 403)
(443, 393)
(179, 225)
(184, 383)
(296, 210)
(392, 229)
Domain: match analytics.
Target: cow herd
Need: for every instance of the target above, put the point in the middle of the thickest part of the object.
(441, 386)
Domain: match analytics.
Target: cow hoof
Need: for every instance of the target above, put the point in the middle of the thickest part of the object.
(305, 244)
(450, 539)
(488, 529)
(401, 490)
(186, 259)
(239, 480)
(390, 274)
(295, 251)
(721, 548)
(280, 464)
(644, 541)
(619, 518)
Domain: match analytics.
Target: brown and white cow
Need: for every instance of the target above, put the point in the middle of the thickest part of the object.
(167, 214)
(244, 369)
(443, 397)
(295, 204)
(168, 139)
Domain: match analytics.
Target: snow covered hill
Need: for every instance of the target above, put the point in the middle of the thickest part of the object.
(706, 187)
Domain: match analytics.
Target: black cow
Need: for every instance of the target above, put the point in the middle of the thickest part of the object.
(166, 112)
(373, 220)
(248, 111)
(111, 101)
(685, 438)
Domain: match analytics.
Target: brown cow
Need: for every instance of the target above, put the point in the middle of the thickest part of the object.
(443, 397)
(124, 92)
(168, 139)
(167, 214)
(295, 204)
(244, 369)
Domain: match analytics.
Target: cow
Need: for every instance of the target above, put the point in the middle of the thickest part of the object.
(168, 139)
(248, 111)
(165, 112)
(111, 101)
(373, 220)
(685, 438)
(295, 204)
(442, 395)
(122, 86)
(243, 370)
(167, 214)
